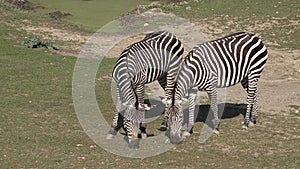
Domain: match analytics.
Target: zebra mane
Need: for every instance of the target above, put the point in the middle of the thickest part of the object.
(231, 36)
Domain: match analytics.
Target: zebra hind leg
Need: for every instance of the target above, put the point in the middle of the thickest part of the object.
(253, 114)
(251, 104)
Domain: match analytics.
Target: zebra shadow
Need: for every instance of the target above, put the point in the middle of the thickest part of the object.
(225, 111)
(202, 113)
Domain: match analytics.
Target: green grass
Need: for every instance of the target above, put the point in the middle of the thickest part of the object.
(90, 15)
(39, 127)
(276, 21)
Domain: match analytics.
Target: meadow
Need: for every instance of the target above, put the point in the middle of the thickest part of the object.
(38, 123)
(90, 15)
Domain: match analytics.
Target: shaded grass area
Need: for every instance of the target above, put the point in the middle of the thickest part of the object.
(276, 21)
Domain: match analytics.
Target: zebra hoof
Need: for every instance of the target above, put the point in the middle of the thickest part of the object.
(251, 124)
(245, 127)
(163, 128)
(110, 136)
(216, 132)
(144, 135)
(134, 144)
(186, 134)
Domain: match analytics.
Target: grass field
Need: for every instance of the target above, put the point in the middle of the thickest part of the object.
(39, 127)
(90, 15)
(276, 21)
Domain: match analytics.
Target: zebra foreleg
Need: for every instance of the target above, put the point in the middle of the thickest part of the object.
(164, 124)
(212, 93)
(116, 125)
(117, 119)
(141, 109)
(191, 121)
(167, 100)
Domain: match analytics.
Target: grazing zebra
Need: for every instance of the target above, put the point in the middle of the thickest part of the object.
(239, 57)
(156, 57)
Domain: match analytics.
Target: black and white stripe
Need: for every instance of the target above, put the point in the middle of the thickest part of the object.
(224, 62)
(156, 57)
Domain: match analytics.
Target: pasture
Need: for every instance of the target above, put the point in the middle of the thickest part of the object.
(38, 123)
(90, 15)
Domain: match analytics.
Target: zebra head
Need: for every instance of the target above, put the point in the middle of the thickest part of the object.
(132, 119)
(175, 113)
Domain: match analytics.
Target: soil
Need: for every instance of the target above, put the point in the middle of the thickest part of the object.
(278, 88)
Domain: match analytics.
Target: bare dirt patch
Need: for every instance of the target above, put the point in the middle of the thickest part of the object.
(73, 40)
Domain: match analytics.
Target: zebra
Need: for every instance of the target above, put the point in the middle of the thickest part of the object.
(156, 57)
(224, 62)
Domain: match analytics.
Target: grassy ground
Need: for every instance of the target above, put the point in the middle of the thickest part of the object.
(91, 15)
(276, 21)
(39, 128)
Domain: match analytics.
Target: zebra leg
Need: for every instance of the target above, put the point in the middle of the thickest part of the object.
(254, 113)
(212, 93)
(115, 127)
(164, 124)
(251, 99)
(163, 83)
(143, 130)
(191, 121)
(141, 108)
(117, 120)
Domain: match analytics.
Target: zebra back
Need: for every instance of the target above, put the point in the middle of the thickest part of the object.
(147, 60)
(232, 58)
